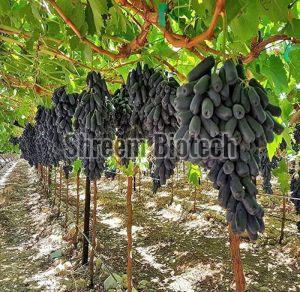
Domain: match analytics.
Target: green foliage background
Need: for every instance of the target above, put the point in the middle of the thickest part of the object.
(30, 69)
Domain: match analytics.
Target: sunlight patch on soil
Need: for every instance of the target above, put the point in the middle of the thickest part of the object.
(4, 178)
(185, 282)
(173, 212)
(111, 221)
(149, 257)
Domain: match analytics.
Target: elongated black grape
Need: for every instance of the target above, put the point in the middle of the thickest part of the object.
(224, 113)
(266, 167)
(94, 125)
(152, 97)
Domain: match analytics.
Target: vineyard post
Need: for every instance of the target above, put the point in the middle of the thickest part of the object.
(42, 174)
(134, 182)
(55, 186)
(60, 190)
(172, 190)
(237, 264)
(119, 184)
(195, 199)
(139, 182)
(129, 233)
(49, 178)
(282, 220)
(39, 170)
(86, 227)
(67, 202)
(94, 233)
(77, 206)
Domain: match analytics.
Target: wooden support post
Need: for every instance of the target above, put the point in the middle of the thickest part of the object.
(140, 181)
(42, 174)
(86, 227)
(282, 221)
(172, 190)
(195, 199)
(60, 190)
(129, 233)
(67, 204)
(39, 169)
(77, 206)
(55, 186)
(94, 234)
(49, 178)
(237, 265)
(134, 181)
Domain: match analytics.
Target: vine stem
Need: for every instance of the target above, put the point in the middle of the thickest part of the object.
(77, 206)
(282, 221)
(225, 29)
(94, 233)
(86, 224)
(67, 203)
(237, 265)
(125, 50)
(55, 186)
(60, 190)
(129, 233)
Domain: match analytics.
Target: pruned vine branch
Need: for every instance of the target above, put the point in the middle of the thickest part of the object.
(258, 47)
(181, 76)
(181, 41)
(125, 50)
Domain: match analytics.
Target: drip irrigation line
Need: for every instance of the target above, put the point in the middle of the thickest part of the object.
(282, 197)
(279, 218)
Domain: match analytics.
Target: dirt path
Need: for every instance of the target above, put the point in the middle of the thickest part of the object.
(22, 263)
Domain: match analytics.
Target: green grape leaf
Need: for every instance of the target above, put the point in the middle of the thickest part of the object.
(129, 170)
(67, 7)
(294, 64)
(112, 162)
(272, 147)
(245, 26)
(286, 108)
(77, 165)
(194, 174)
(4, 7)
(99, 7)
(281, 173)
(287, 136)
(293, 28)
(274, 70)
(276, 10)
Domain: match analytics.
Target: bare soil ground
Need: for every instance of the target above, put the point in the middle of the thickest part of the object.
(175, 249)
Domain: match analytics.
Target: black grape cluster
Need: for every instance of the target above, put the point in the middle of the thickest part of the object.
(49, 142)
(219, 110)
(266, 167)
(152, 94)
(296, 144)
(94, 125)
(43, 120)
(160, 111)
(123, 111)
(27, 144)
(64, 106)
(140, 82)
(295, 189)
(14, 140)
(67, 169)
(110, 173)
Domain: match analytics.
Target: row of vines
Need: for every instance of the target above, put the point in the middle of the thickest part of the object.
(100, 87)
